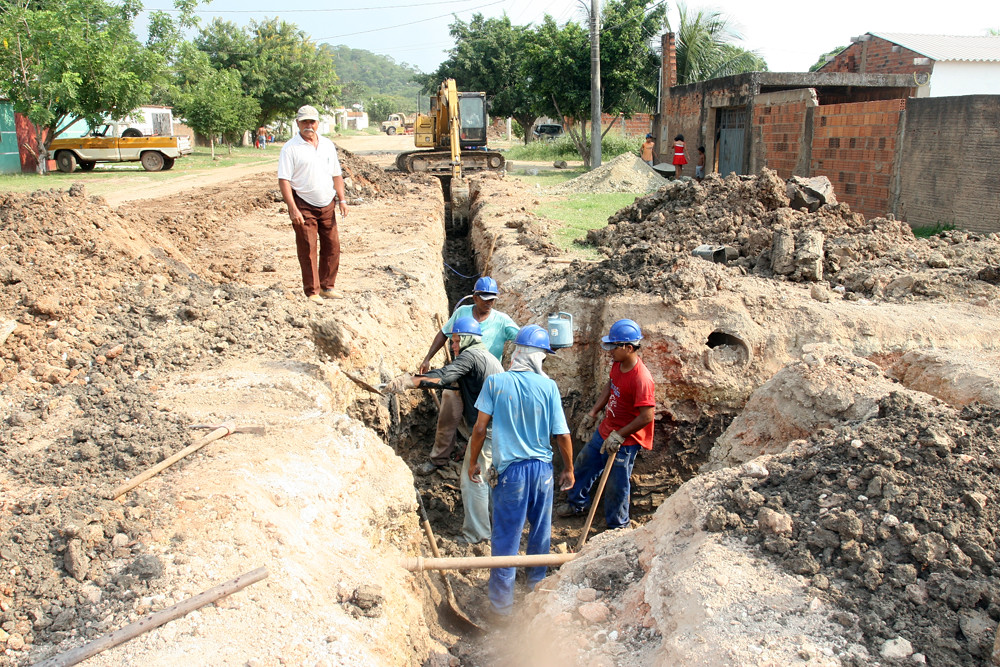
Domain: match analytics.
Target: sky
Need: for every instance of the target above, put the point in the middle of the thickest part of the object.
(789, 34)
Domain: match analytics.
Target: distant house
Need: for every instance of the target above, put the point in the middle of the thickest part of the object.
(941, 65)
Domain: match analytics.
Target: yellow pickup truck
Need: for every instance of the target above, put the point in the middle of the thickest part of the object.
(104, 145)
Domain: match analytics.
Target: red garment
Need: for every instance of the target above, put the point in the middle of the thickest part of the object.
(679, 157)
(629, 392)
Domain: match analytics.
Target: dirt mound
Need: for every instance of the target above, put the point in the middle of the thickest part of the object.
(749, 220)
(896, 519)
(362, 179)
(626, 173)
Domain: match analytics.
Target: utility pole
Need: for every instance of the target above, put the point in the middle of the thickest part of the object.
(595, 84)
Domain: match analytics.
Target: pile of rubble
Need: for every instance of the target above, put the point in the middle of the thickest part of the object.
(626, 173)
(894, 519)
(751, 224)
(364, 180)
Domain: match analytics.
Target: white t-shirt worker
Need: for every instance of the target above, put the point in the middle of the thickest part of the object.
(311, 184)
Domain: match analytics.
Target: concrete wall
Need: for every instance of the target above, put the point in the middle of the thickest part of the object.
(950, 150)
(854, 145)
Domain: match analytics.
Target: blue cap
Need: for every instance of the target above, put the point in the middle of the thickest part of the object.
(486, 288)
(532, 335)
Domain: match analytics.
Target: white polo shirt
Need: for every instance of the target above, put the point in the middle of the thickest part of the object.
(310, 170)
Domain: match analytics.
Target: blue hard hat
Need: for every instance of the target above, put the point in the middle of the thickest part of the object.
(486, 286)
(532, 335)
(622, 331)
(468, 326)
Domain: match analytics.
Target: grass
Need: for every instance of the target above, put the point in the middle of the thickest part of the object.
(545, 177)
(927, 232)
(563, 148)
(580, 214)
(109, 176)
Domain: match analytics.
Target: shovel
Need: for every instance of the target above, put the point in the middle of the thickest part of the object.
(597, 500)
(456, 612)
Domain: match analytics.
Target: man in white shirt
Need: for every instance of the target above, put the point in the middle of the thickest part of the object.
(308, 177)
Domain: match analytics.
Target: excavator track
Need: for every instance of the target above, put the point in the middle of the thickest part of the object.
(438, 163)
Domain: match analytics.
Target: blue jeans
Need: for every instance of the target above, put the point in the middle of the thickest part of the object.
(588, 467)
(523, 492)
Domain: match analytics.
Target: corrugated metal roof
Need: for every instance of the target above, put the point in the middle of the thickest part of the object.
(947, 47)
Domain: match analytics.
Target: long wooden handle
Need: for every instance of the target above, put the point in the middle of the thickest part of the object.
(420, 564)
(152, 621)
(597, 500)
(220, 432)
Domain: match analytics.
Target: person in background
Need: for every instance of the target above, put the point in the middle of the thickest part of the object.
(647, 150)
(680, 157)
(473, 364)
(311, 184)
(628, 402)
(699, 168)
(526, 410)
(498, 328)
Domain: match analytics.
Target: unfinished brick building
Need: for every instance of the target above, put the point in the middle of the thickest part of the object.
(927, 160)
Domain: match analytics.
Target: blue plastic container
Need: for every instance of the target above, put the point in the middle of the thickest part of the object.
(560, 330)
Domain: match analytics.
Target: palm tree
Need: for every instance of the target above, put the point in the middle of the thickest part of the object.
(704, 49)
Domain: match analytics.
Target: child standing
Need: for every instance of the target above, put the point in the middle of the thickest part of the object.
(699, 169)
(680, 158)
(647, 150)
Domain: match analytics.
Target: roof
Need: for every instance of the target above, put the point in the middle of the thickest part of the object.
(947, 47)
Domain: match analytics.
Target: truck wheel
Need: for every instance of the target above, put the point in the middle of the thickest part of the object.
(87, 166)
(168, 163)
(152, 160)
(66, 162)
(131, 132)
(390, 131)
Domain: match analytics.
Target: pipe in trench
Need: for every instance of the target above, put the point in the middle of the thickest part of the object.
(420, 564)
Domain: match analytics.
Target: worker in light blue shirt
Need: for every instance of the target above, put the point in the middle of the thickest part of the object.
(526, 411)
(498, 328)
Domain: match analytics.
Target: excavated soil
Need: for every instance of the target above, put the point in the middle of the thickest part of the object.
(649, 243)
(625, 173)
(119, 327)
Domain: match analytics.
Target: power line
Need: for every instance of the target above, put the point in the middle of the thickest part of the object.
(302, 11)
(404, 25)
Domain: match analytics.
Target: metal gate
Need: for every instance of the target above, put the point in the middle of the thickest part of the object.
(10, 158)
(732, 125)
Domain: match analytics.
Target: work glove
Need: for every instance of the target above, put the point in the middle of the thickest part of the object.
(612, 443)
(399, 384)
(586, 427)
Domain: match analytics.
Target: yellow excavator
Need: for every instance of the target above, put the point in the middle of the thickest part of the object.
(453, 139)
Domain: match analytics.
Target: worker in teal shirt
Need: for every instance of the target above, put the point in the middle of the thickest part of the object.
(526, 410)
(498, 328)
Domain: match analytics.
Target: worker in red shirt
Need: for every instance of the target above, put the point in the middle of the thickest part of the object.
(628, 402)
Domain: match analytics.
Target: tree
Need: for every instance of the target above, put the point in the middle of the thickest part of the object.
(215, 104)
(557, 62)
(279, 65)
(380, 106)
(825, 58)
(71, 60)
(705, 51)
(488, 56)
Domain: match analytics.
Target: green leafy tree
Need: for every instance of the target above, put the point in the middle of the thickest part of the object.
(278, 64)
(216, 105)
(705, 50)
(557, 63)
(71, 60)
(380, 106)
(825, 58)
(489, 56)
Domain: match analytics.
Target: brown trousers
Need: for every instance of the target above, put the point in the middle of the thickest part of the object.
(319, 225)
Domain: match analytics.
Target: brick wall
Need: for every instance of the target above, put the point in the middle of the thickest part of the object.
(682, 115)
(854, 145)
(950, 153)
(876, 57)
(638, 125)
(782, 127)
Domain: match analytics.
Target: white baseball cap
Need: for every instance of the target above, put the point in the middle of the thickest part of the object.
(307, 113)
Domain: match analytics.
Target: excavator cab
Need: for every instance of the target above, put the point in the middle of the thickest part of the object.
(472, 119)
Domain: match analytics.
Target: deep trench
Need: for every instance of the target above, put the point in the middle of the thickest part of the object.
(680, 448)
